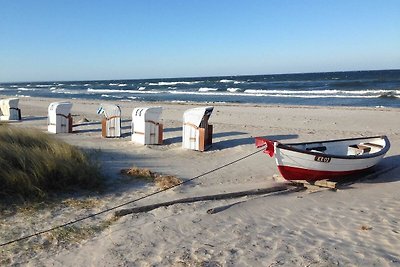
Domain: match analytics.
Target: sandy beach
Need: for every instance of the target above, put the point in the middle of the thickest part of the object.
(354, 226)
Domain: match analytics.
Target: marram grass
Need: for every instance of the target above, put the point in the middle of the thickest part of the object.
(33, 164)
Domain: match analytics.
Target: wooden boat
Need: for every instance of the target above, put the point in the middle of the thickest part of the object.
(330, 159)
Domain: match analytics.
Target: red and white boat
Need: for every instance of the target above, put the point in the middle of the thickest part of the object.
(330, 159)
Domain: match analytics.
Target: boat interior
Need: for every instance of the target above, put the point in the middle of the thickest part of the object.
(353, 147)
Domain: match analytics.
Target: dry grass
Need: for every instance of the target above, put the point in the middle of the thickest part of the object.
(34, 164)
(166, 181)
(138, 173)
(161, 181)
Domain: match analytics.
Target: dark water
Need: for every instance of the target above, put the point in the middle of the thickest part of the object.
(356, 88)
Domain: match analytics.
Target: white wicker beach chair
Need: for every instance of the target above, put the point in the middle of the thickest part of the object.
(146, 126)
(197, 133)
(59, 117)
(9, 109)
(111, 123)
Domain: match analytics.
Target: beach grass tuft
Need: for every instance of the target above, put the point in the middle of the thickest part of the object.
(34, 164)
(160, 180)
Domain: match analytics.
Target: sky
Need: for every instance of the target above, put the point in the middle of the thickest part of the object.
(134, 39)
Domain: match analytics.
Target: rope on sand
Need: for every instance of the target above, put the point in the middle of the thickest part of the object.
(127, 203)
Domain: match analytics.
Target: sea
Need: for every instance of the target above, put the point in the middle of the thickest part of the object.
(378, 88)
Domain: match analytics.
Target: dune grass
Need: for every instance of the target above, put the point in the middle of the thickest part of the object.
(34, 164)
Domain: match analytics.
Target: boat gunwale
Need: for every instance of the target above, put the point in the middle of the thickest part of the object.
(383, 151)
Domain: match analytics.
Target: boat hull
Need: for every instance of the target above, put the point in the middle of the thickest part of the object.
(332, 159)
(294, 165)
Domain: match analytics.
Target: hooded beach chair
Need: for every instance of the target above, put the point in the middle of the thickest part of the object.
(59, 117)
(146, 126)
(9, 109)
(197, 133)
(111, 123)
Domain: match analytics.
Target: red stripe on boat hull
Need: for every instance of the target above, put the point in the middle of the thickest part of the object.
(294, 173)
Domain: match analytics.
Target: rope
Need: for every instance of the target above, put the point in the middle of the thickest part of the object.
(129, 202)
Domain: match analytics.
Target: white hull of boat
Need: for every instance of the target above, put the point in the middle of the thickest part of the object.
(327, 159)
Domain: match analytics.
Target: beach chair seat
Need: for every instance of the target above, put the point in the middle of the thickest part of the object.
(197, 133)
(59, 117)
(146, 126)
(9, 109)
(111, 122)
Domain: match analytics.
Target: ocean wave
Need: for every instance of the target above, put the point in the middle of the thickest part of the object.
(111, 96)
(391, 94)
(207, 89)
(234, 90)
(18, 95)
(122, 84)
(226, 81)
(264, 94)
(99, 91)
(173, 83)
(371, 93)
(43, 85)
(26, 89)
(258, 91)
(142, 88)
(2, 89)
(113, 84)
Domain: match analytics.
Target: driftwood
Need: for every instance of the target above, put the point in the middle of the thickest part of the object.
(222, 208)
(261, 191)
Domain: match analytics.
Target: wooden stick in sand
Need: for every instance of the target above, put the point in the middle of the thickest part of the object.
(261, 191)
(224, 207)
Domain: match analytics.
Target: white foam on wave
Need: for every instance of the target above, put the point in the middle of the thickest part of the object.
(226, 81)
(1, 89)
(233, 90)
(173, 83)
(111, 96)
(256, 93)
(26, 89)
(207, 89)
(121, 91)
(18, 95)
(259, 91)
(43, 85)
(141, 88)
(113, 84)
(122, 84)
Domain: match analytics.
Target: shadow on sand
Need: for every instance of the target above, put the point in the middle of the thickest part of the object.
(248, 140)
(34, 118)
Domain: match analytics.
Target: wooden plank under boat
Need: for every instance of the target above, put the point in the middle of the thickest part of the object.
(329, 159)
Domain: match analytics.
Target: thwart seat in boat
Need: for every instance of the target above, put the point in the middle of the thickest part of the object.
(9, 109)
(111, 123)
(59, 117)
(146, 126)
(197, 133)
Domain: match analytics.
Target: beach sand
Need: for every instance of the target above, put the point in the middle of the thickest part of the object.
(354, 226)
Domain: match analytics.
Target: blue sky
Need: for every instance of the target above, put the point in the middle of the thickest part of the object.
(88, 40)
